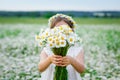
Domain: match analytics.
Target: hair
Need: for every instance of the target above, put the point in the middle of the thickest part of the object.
(61, 17)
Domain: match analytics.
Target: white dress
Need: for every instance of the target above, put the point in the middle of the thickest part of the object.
(48, 74)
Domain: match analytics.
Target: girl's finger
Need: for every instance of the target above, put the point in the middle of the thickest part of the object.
(65, 60)
(63, 65)
(58, 59)
(57, 56)
(56, 63)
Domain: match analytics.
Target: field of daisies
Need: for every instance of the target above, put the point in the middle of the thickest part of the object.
(19, 56)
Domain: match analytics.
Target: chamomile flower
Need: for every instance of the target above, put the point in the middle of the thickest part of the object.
(57, 44)
(70, 31)
(71, 40)
(56, 39)
(43, 37)
(62, 37)
(51, 45)
(55, 29)
(40, 43)
(47, 32)
(50, 39)
(61, 28)
(63, 43)
(37, 37)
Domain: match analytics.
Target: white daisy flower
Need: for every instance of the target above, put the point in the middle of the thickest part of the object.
(43, 37)
(62, 43)
(40, 43)
(70, 31)
(55, 29)
(71, 40)
(51, 45)
(37, 37)
(62, 37)
(49, 39)
(61, 28)
(57, 44)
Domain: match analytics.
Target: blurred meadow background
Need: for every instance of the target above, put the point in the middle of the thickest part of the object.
(98, 24)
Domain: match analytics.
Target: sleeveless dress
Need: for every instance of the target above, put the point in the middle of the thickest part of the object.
(48, 74)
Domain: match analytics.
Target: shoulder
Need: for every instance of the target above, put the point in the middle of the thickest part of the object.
(47, 50)
(43, 55)
(75, 50)
(79, 48)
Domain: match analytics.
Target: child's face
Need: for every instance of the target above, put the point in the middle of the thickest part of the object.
(61, 23)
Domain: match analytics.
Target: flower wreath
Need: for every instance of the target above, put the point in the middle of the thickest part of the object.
(61, 15)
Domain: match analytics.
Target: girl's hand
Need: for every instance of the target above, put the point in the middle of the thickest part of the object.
(66, 61)
(56, 59)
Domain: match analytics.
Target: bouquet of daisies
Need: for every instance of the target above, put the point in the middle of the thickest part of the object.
(59, 40)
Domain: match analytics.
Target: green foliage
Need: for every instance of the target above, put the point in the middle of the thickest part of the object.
(48, 15)
(113, 40)
(9, 33)
(42, 20)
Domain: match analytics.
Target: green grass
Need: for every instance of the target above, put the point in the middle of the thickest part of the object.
(97, 20)
(29, 20)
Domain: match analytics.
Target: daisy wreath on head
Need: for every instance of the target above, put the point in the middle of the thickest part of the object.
(63, 16)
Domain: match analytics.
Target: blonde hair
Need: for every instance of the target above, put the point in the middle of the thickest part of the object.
(61, 17)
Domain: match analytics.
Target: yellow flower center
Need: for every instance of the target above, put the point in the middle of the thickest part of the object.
(61, 28)
(62, 38)
(47, 34)
(71, 39)
(56, 39)
(38, 37)
(62, 42)
(70, 31)
(50, 39)
(51, 44)
(43, 37)
(57, 43)
(40, 43)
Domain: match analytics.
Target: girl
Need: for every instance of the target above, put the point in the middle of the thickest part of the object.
(74, 59)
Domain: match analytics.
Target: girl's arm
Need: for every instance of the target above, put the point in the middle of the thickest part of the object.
(77, 62)
(46, 60)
